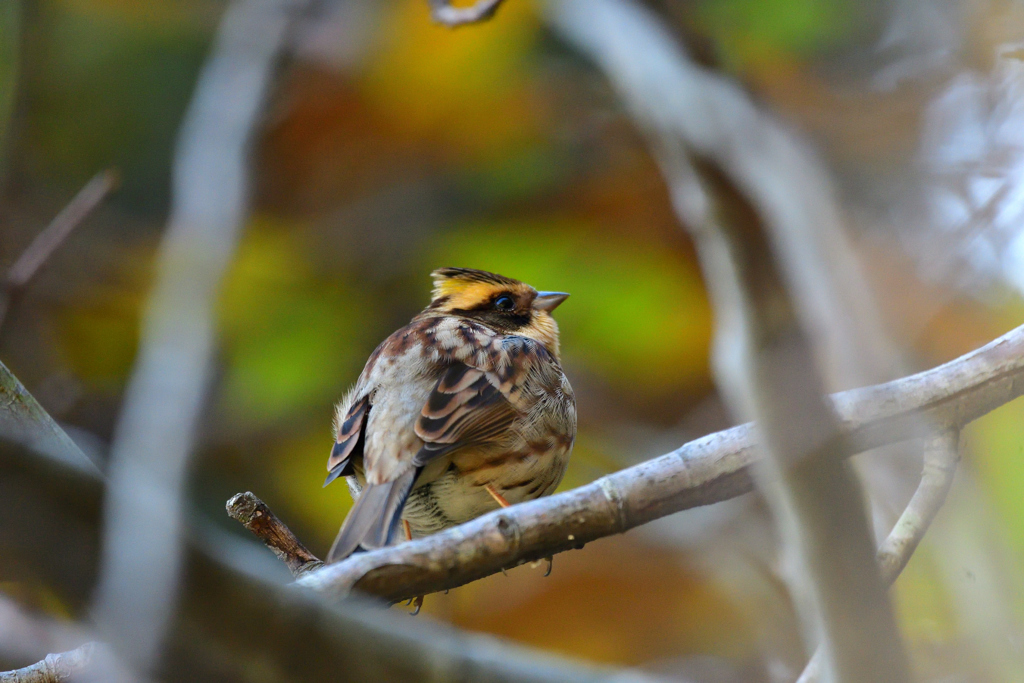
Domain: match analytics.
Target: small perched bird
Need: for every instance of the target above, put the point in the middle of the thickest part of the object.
(463, 410)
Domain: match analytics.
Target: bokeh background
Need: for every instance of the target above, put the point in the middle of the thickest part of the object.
(393, 146)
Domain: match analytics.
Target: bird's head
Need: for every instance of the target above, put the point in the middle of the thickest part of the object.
(503, 304)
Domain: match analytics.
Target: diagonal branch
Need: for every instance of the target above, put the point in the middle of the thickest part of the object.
(83, 203)
(941, 455)
(53, 235)
(708, 470)
(255, 516)
(24, 421)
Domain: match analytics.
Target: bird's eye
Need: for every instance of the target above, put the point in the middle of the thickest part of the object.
(504, 303)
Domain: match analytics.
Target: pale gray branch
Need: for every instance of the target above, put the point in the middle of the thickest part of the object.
(164, 399)
(70, 217)
(53, 235)
(705, 471)
(25, 636)
(754, 200)
(23, 421)
(55, 668)
(941, 455)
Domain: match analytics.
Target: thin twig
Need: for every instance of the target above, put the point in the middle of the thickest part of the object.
(443, 13)
(705, 471)
(55, 668)
(47, 241)
(941, 455)
(255, 516)
(53, 235)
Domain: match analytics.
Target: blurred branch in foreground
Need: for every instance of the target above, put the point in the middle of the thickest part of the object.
(23, 421)
(766, 369)
(244, 613)
(154, 436)
(27, 637)
(753, 197)
(55, 668)
(442, 12)
(708, 470)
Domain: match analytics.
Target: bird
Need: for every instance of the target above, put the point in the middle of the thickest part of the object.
(464, 410)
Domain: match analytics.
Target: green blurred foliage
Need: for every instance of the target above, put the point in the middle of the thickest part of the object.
(998, 440)
(749, 32)
(288, 335)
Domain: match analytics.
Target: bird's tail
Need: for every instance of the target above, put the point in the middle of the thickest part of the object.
(373, 520)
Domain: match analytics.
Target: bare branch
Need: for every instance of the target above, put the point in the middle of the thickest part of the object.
(23, 421)
(443, 13)
(47, 241)
(705, 471)
(53, 235)
(55, 668)
(255, 516)
(941, 455)
(313, 639)
(763, 353)
(141, 557)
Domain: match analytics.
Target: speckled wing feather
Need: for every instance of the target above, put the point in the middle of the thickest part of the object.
(466, 408)
(349, 441)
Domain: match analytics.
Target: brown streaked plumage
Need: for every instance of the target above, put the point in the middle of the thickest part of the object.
(463, 408)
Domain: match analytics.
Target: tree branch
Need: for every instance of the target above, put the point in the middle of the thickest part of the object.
(23, 421)
(255, 516)
(53, 235)
(443, 13)
(25, 636)
(765, 367)
(941, 455)
(55, 668)
(708, 470)
(154, 436)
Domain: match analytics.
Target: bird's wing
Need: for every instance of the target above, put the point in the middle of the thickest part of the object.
(350, 440)
(467, 407)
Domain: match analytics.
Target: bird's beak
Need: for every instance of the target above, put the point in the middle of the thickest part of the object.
(548, 301)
